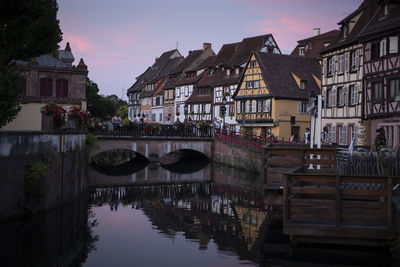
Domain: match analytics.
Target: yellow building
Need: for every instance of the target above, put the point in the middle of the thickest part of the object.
(272, 95)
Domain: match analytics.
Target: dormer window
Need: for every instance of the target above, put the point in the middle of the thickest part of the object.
(385, 10)
(212, 71)
(309, 46)
(345, 30)
(301, 51)
(326, 44)
(228, 72)
(236, 71)
(303, 84)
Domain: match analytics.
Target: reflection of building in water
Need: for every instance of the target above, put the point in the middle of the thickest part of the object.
(251, 220)
(202, 211)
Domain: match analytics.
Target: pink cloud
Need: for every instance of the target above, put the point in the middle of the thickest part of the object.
(81, 43)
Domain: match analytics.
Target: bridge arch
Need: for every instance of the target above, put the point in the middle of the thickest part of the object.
(154, 146)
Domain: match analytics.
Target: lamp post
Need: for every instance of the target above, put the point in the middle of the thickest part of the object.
(223, 111)
(311, 110)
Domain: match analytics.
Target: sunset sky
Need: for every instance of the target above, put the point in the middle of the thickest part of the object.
(119, 39)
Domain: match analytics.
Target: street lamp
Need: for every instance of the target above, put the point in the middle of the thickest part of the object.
(223, 110)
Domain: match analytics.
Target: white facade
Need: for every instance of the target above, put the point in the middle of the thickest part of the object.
(230, 109)
(342, 93)
(157, 109)
(182, 93)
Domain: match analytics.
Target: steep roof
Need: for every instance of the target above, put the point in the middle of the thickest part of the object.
(277, 71)
(367, 10)
(313, 45)
(159, 69)
(200, 98)
(379, 26)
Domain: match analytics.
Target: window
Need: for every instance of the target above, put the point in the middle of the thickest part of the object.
(352, 132)
(302, 107)
(354, 60)
(186, 91)
(301, 51)
(238, 107)
(254, 106)
(346, 61)
(342, 131)
(345, 30)
(394, 88)
(23, 88)
(153, 117)
(375, 50)
(252, 64)
(46, 87)
(378, 94)
(331, 66)
(340, 96)
(256, 84)
(332, 133)
(260, 106)
(236, 71)
(382, 50)
(228, 72)
(247, 106)
(249, 84)
(303, 84)
(166, 94)
(331, 97)
(267, 107)
(242, 106)
(393, 45)
(158, 101)
(160, 117)
(178, 92)
(340, 63)
(231, 109)
(212, 71)
(353, 94)
(385, 10)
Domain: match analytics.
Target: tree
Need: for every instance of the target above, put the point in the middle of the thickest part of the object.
(102, 106)
(27, 29)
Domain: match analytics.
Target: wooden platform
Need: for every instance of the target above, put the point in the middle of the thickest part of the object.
(318, 208)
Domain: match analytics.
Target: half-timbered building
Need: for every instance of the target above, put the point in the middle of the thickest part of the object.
(189, 77)
(382, 71)
(229, 65)
(141, 93)
(342, 80)
(272, 94)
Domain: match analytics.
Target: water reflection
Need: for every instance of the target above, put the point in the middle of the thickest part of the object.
(213, 210)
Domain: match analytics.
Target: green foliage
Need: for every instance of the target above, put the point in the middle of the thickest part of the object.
(27, 29)
(123, 112)
(101, 106)
(91, 141)
(10, 87)
(34, 185)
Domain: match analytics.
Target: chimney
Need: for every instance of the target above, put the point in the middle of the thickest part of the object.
(316, 31)
(206, 45)
(157, 58)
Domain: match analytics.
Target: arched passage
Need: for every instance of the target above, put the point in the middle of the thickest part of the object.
(184, 161)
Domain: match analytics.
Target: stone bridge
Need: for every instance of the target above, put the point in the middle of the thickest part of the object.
(154, 145)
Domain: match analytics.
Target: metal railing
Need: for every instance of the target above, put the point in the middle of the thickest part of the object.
(158, 130)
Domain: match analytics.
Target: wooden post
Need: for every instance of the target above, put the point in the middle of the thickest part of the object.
(389, 200)
(337, 200)
(285, 200)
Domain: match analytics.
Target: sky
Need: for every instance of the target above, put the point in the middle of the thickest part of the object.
(119, 39)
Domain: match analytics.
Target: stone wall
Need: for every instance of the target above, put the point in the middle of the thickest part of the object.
(237, 157)
(65, 157)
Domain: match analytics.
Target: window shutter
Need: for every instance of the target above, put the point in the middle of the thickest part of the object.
(333, 136)
(207, 108)
(346, 61)
(345, 95)
(334, 97)
(238, 107)
(355, 134)
(324, 64)
(355, 92)
(357, 55)
(299, 108)
(393, 44)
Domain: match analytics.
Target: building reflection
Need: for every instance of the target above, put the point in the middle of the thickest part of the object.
(229, 212)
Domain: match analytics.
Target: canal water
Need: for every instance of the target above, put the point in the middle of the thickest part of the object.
(214, 216)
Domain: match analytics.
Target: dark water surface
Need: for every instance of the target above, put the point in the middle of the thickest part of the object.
(216, 216)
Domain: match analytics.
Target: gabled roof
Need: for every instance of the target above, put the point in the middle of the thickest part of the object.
(278, 70)
(158, 70)
(380, 26)
(313, 45)
(225, 54)
(187, 62)
(367, 10)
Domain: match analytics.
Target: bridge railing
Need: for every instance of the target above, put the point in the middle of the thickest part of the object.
(254, 142)
(158, 130)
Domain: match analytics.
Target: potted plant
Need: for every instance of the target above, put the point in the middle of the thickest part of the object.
(53, 117)
(79, 117)
(191, 113)
(225, 94)
(231, 114)
(203, 113)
